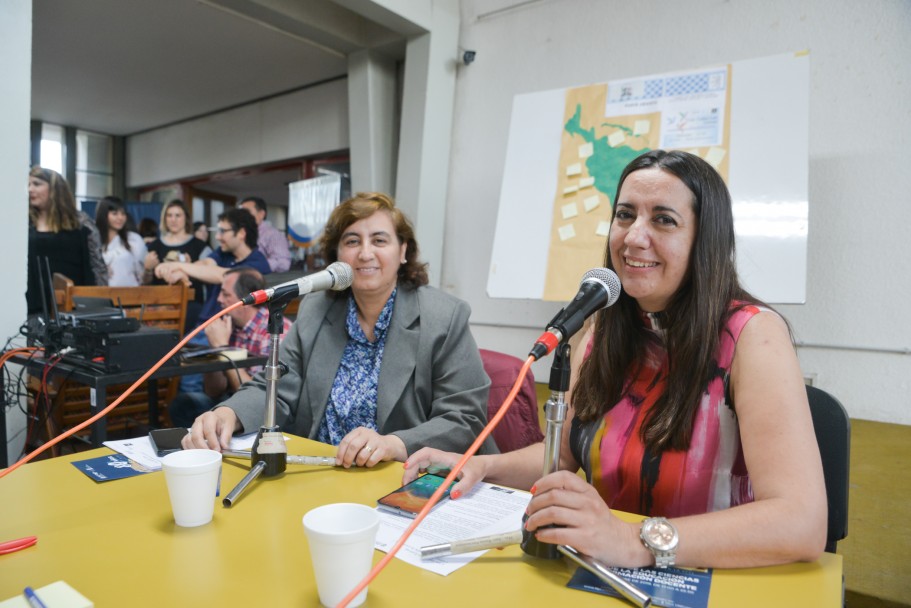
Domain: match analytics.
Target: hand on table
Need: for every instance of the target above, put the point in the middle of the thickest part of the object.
(212, 430)
(366, 448)
(430, 458)
(583, 521)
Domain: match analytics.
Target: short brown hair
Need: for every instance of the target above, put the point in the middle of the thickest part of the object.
(412, 273)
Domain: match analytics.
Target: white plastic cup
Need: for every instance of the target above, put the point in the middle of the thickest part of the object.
(193, 477)
(341, 538)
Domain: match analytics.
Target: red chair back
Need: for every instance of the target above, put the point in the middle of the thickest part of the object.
(520, 426)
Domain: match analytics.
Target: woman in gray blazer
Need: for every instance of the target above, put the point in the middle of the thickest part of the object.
(381, 369)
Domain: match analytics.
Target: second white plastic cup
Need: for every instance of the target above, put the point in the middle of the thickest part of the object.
(341, 538)
(192, 477)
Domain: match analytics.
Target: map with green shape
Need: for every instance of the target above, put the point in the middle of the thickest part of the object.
(606, 163)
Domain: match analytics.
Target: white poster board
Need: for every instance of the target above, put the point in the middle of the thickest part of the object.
(767, 162)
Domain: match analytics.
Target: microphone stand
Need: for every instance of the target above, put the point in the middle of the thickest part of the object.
(555, 414)
(269, 452)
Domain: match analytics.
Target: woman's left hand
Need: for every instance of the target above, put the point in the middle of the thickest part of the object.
(366, 448)
(583, 521)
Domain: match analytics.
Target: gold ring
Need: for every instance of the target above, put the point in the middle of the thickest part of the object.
(368, 448)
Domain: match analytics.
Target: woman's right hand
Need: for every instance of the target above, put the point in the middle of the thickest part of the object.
(212, 430)
(426, 458)
(151, 260)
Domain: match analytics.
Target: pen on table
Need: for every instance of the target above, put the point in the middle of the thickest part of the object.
(33, 599)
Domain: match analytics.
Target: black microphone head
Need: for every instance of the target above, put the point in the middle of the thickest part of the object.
(343, 276)
(609, 279)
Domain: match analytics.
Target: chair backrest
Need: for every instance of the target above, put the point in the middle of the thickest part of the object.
(833, 434)
(162, 306)
(520, 426)
(61, 284)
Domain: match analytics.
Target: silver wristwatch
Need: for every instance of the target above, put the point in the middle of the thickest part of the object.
(660, 537)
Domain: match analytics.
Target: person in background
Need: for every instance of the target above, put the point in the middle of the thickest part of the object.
(272, 242)
(687, 401)
(380, 369)
(96, 253)
(148, 230)
(201, 231)
(236, 237)
(55, 232)
(245, 327)
(124, 251)
(177, 244)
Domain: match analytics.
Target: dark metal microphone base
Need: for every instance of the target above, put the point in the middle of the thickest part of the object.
(534, 547)
(269, 447)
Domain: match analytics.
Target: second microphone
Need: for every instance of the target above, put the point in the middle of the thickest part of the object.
(337, 276)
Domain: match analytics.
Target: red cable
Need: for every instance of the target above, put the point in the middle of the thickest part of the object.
(120, 399)
(439, 492)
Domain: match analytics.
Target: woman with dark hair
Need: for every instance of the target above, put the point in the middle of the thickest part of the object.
(56, 233)
(687, 401)
(380, 369)
(201, 231)
(148, 230)
(124, 250)
(176, 243)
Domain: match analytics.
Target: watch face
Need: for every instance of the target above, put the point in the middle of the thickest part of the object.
(661, 535)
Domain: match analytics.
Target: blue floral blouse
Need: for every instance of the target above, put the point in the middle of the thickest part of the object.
(352, 400)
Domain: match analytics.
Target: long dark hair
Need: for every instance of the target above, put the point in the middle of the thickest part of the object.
(61, 211)
(412, 274)
(105, 206)
(693, 320)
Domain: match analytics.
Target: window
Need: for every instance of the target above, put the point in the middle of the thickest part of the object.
(52, 147)
(94, 165)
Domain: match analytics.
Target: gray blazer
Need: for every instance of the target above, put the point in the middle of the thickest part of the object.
(432, 388)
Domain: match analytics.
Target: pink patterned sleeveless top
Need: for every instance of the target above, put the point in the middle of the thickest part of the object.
(710, 476)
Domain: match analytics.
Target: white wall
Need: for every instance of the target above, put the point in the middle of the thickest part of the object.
(306, 122)
(860, 122)
(15, 111)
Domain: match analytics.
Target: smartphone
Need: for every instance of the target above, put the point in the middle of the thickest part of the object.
(165, 441)
(411, 498)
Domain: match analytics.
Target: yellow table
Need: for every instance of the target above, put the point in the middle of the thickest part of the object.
(117, 544)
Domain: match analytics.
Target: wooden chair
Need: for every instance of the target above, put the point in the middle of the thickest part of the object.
(62, 284)
(162, 306)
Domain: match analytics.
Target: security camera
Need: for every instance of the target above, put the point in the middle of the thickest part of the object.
(468, 57)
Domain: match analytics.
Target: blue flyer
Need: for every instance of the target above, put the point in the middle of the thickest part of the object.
(668, 587)
(107, 468)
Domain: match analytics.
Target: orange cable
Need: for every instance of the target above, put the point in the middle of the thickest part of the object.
(16, 351)
(127, 393)
(439, 491)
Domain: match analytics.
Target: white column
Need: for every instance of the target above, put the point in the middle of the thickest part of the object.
(372, 122)
(15, 113)
(426, 131)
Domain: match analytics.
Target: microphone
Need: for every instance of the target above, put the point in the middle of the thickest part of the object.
(337, 276)
(472, 544)
(599, 289)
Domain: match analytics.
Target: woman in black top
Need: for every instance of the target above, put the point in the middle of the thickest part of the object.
(177, 244)
(56, 233)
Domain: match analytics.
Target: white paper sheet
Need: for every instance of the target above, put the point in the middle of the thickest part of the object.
(487, 509)
(139, 449)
